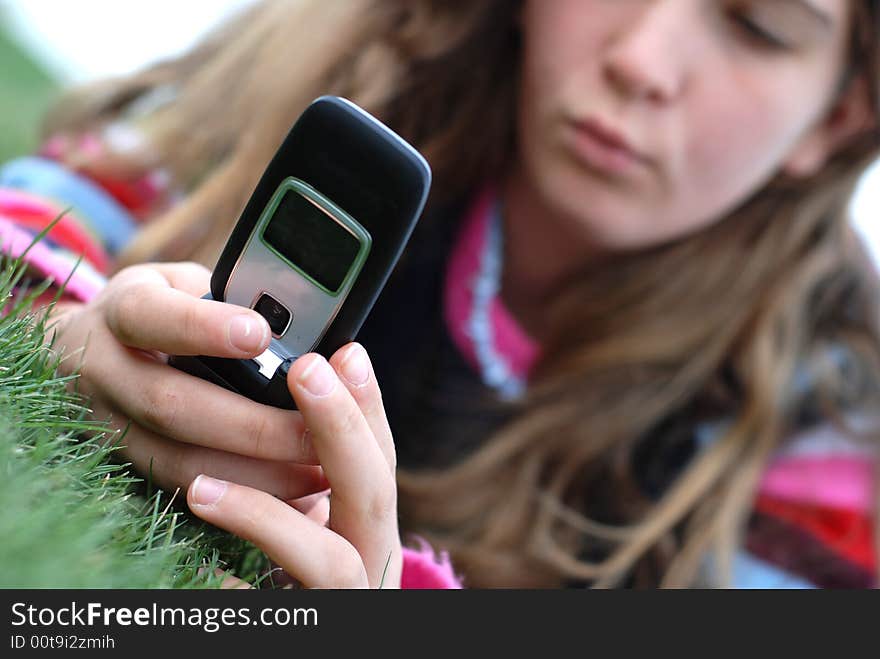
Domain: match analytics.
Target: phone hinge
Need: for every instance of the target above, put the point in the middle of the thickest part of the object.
(268, 363)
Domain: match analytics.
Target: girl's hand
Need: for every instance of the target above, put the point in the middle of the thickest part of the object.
(181, 426)
(360, 544)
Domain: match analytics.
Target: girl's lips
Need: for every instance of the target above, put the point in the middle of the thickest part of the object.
(605, 150)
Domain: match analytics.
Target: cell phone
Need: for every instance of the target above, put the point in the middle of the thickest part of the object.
(316, 242)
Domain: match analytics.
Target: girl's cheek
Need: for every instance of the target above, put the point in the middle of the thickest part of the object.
(734, 144)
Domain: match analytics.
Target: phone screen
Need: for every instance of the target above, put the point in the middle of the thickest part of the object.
(311, 240)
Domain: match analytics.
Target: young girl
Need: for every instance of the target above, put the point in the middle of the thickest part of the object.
(633, 341)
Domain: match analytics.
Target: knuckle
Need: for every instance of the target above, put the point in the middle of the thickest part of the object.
(382, 504)
(191, 323)
(161, 404)
(257, 431)
(350, 421)
(345, 569)
(195, 269)
(121, 308)
(128, 273)
(189, 276)
(179, 471)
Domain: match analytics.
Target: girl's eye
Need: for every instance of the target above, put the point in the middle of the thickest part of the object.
(757, 32)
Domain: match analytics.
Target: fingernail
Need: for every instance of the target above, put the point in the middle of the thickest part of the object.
(318, 378)
(206, 491)
(355, 367)
(245, 334)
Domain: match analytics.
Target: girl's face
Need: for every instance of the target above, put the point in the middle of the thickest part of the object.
(643, 120)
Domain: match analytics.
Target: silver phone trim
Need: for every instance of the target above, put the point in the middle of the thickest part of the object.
(277, 346)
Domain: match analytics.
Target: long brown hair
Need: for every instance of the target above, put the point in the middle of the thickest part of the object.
(721, 325)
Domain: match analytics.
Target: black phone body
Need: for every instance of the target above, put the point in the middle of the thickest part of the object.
(316, 242)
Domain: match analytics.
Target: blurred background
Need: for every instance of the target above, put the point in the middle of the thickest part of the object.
(46, 45)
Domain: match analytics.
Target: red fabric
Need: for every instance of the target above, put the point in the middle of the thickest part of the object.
(138, 196)
(849, 533)
(68, 232)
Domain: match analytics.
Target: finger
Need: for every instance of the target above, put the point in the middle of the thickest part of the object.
(353, 365)
(339, 432)
(363, 506)
(305, 504)
(314, 555)
(189, 277)
(186, 276)
(152, 316)
(187, 409)
(320, 512)
(315, 506)
(171, 465)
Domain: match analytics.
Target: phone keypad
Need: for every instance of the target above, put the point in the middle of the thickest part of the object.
(276, 314)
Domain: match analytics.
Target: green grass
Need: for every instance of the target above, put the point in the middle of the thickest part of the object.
(27, 91)
(70, 515)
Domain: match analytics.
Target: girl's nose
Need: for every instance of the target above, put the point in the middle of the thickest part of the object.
(647, 58)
